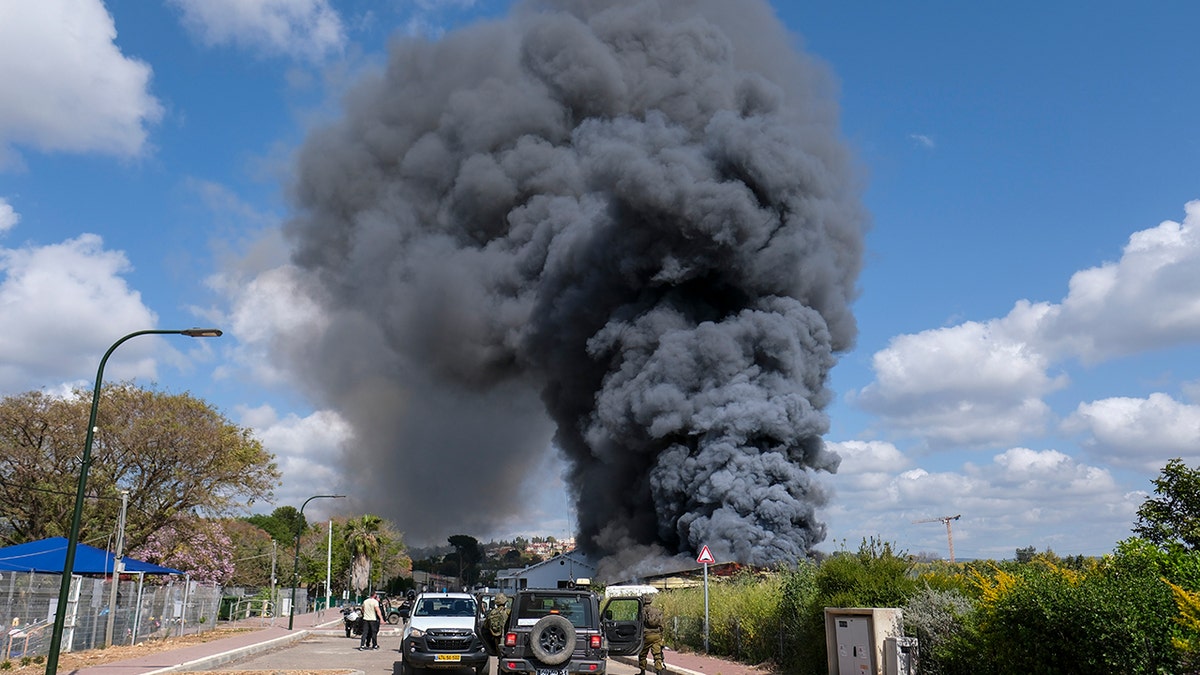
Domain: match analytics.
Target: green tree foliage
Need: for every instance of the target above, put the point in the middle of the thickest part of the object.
(364, 542)
(875, 576)
(1026, 554)
(386, 558)
(174, 453)
(469, 555)
(284, 523)
(1114, 616)
(252, 549)
(1174, 515)
(802, 628)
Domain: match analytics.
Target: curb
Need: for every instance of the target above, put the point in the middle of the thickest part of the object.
(213, 660)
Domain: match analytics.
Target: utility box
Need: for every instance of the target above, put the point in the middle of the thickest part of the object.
(855, 637)
(900, 656)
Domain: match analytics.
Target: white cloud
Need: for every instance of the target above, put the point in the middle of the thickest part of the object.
(66, 84)
(53, 298)
(306, 29)
(1021, 497)
(307, 450)
(264, 307)
(8, 216)
(1148, 299)
(983, 383)
(863, 457)
(1142, 433)
(923, 140)
(971, 384)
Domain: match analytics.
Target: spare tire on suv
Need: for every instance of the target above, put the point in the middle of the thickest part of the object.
(557, 631)
(552, 639)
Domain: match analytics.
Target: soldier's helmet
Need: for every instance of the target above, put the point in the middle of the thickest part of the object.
(501, 599)
(648, 598)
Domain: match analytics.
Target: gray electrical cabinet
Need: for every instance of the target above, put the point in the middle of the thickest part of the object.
(855, 636)
(900, 656)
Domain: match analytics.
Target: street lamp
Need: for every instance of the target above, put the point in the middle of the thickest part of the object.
(296, 559)
(60, 614)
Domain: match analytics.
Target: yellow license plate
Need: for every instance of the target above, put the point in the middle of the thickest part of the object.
(447, 657)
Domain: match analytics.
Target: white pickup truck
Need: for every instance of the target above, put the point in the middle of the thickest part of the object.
(441, 634)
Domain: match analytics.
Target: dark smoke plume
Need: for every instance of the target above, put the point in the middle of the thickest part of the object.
(631, 225)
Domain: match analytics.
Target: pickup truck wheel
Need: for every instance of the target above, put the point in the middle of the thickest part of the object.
(482, 668)
(552, 639)
(406, 668)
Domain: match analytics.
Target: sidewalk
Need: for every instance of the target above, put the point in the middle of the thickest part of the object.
(263, 638)
(692, 663)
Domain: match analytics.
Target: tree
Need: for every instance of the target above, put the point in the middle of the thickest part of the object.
(1174, 516)
(174, 453)
(364, 543)
(284, 523)
(252, 549)
(469, 555)
(197, 546)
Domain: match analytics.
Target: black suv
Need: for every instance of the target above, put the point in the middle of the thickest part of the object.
(561, 631)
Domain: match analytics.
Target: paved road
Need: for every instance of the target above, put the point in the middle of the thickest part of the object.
(324, 649)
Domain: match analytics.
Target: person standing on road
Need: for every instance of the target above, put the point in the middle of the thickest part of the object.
(372, 616)
(497, 619)
(652, 637)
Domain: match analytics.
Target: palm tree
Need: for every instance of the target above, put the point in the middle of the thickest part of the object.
(364, 541)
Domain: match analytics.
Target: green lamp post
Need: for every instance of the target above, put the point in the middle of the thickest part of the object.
(60, 614)
(296, 559)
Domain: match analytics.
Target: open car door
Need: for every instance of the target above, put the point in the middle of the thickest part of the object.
(622, 625)
(484, 604)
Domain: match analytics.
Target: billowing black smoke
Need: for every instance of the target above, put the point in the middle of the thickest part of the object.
(639, 212)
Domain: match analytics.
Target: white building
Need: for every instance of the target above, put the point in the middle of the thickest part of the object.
(558, 572)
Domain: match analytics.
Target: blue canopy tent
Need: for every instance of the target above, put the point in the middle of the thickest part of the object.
(49, 556)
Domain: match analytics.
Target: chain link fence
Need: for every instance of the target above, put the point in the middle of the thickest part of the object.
(146, 608)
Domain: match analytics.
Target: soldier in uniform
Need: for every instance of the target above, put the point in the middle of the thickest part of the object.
(652, 637)
(497, 619)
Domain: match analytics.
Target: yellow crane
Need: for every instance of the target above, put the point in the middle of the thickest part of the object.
(949, 532)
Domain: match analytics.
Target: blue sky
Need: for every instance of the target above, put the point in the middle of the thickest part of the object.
(1029, 312)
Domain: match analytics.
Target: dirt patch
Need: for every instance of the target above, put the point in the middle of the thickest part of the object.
(71, 661)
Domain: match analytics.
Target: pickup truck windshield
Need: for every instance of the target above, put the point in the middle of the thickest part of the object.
(445, 607)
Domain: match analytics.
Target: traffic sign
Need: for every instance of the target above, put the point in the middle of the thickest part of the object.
(705, 556)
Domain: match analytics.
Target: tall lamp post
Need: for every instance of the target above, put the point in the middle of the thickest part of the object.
(296, 559)
(60, 614)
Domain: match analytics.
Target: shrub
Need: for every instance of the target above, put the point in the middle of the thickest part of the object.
(1114, 617)
(876, 576)
(937, 618)
(802, 644)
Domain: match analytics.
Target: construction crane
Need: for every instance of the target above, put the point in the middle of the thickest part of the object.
(949, 532)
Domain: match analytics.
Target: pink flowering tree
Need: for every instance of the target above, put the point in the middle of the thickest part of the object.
(199, 547)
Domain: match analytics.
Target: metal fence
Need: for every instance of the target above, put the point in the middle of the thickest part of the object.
(146, 608)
